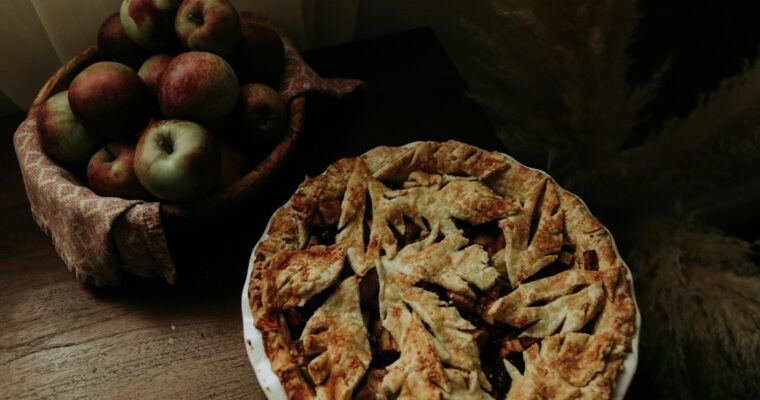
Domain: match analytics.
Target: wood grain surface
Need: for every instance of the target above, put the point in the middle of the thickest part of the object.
(146, 339)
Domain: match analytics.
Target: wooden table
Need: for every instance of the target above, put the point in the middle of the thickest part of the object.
(145, 339)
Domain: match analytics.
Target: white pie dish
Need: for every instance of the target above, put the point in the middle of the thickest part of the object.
(273, 389)
(254, 346)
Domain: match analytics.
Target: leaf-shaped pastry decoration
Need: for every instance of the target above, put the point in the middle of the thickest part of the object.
(528, 252)
(351, 222)
(447, 263)
(293, 277)
(452, 157)
(567, 301)
(337, 331)
(444, 330)
(463, 159)
(384, 214)
(454, 344)
(441, 199)
(465, 385)
(436, 200)
(397, 166)
(418, 373)
(567, 366)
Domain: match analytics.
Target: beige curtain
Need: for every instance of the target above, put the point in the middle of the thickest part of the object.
(37, 36)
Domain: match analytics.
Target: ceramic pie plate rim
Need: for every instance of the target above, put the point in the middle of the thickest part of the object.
(272, 387)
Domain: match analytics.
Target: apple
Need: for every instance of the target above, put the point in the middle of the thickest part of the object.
(260, 56)
(111, 172)
(152, 68)
(199, 86)
(115, 45)
(208, 25)
(150, 23)
(262, 113)
(233, 163)
(110, 99)
(177, 160)
(62, 137)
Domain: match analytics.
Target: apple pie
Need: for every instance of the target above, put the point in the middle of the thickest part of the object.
(440, 270)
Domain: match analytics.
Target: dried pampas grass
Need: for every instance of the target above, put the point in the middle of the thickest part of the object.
(554, 84)
(561, 68)
(698, 292)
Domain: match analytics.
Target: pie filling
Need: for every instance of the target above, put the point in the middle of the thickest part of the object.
(438, 287)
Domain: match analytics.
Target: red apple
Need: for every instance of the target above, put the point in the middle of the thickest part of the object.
(152, 68)
(177, 160)
(110, 99)
(111, 172)
(233, 165)
(263, 114)
(198, 86)
(208, 25)
(150, 23)
(115, 45)
(62, 137)
(260, 56)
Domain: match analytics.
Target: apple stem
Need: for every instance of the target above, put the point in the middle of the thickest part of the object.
(110, 153)
(198, 19)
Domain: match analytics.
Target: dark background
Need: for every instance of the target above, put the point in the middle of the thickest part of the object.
(704, 43)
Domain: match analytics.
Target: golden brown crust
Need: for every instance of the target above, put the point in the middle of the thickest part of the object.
(442, 185)
(418, 373)
(337, 333)
(571, 298)
(293, 277)
(277, 345)
(528, 252)
(573, 366)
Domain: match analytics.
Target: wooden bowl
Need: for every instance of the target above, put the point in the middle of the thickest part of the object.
(219, 203)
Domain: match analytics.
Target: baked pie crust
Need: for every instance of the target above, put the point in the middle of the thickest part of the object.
(440, 270)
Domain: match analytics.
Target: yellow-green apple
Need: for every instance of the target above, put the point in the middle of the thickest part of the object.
(111, 172)
(208, 25)
(260, 56)
(150, 23)
(152, 68)
(233, 164)
(262, 114)
(62, 137)
(115, 45)
(198, 86)
(177, 160)
(110, 99)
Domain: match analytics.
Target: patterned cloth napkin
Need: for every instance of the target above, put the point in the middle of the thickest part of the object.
(100, 238)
